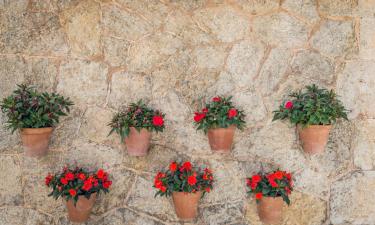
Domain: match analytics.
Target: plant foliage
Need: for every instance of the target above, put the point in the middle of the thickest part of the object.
(182, 177)
(276, 184)
(219, 113)
(71, 183)
(27, 108)
(137, 115)
(314, 106)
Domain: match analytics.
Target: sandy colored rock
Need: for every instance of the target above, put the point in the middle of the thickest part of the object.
(363, 145)
(257, 7)
(223, 213)
(11, 190)
(306, 9)
(367, 38)
(338, 7)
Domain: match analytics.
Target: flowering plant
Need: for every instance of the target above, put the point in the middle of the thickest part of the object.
(315, 106)
(71, 183)
(137, 115)
(182, 177)
(27, 108)
(219, 113)
(276, 184)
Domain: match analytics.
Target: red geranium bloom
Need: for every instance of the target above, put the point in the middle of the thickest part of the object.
(278, 175)
(199, 116)
(258, 195)
(173, 166)
(100, 174)
(48, 179)
(163, 189)
(216, 99)
(81, 176)
(107, 184)
(253, 185)
(158, 184)
(192, 180)
(72, 192)
(273, 183)
(87, 185)
(64, 181)
(288, 176)
(208, 190)
(232, 113)
(69, 176)
(158, 121)
(186, 166)
(205, 110)
(256, 178)
(289, 105)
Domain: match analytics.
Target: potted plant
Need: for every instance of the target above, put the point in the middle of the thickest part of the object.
(313, 110)
(135, 124)
(186, 184)
(78, 188)
(270, 191)
(219, 119)
(34, 114)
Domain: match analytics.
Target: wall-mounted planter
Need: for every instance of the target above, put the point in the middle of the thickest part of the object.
(80, 212)
(221, 139)
(186, 204)
(138, 142)
(36, 140)
(270, 210)
(314, 138)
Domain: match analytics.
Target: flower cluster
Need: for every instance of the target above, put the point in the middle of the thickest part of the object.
(276, 184)
(139, 116)
(314, 106)
(219, 113)
(183, 177)
(71, 183)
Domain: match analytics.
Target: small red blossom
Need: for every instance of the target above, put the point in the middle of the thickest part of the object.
(87, 185)
(205, 110)
(81, 176)
(289, 105)
(186, 166)
(158, 121)
(48, 179)
(278, 175)
(207, 189)
(163, 189)
(258, 196)
(64, 181)
(69, 176)
(232, 113)
(256, 178)
(72, 192)
(107, 184)
(192, 180)
(100, 174)
(199, 117)
(173, 166)
(216, 99)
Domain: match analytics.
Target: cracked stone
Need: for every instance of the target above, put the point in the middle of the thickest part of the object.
(304, 8)
(364, 144)
(257, 7)
(11, 190)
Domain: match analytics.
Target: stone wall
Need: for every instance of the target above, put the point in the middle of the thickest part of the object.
(176, 53)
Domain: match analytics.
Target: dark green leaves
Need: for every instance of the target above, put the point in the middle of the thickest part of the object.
(27, 108)
(315, 106)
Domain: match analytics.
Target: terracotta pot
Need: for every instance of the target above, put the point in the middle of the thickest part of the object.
(81, 211)
(221, 139)
(270, 210)
(36, 140)
(138, 143)
(314, 137)
(186, 204)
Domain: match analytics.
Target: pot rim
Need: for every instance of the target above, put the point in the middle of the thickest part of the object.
(233, 126)
(36, 130)
(314, 126)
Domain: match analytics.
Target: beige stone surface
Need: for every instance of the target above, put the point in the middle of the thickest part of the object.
(176, 54)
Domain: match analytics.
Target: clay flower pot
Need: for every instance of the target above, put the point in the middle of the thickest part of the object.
(221, 139)
(138, 143)
(36, 140)
(186, 204)
(270, 210)
(314, 137)
(81, 211)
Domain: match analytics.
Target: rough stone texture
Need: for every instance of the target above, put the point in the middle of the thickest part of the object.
(335, 38)
(349, 198)
(174, 54)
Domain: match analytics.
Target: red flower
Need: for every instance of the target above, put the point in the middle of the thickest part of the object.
(87, 185)
(48, 179)
(256, 178)
(69, 176)
(158, 184)
(207, 189)
(288, 176)
(287, 189)
(273, 183)
(258, 196)
(72, 192)
(163, 189)
(289, 105)
(216, 99)
(278, 175)
(253, 185)
(100, 174)
(107, 184)
(64, 181)
(158, 121)
(205, 110)
(205, 177)
(186, 166)
(173, 166)
(81, 176)
(199, 116)
(232, 113)
(192, 180)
